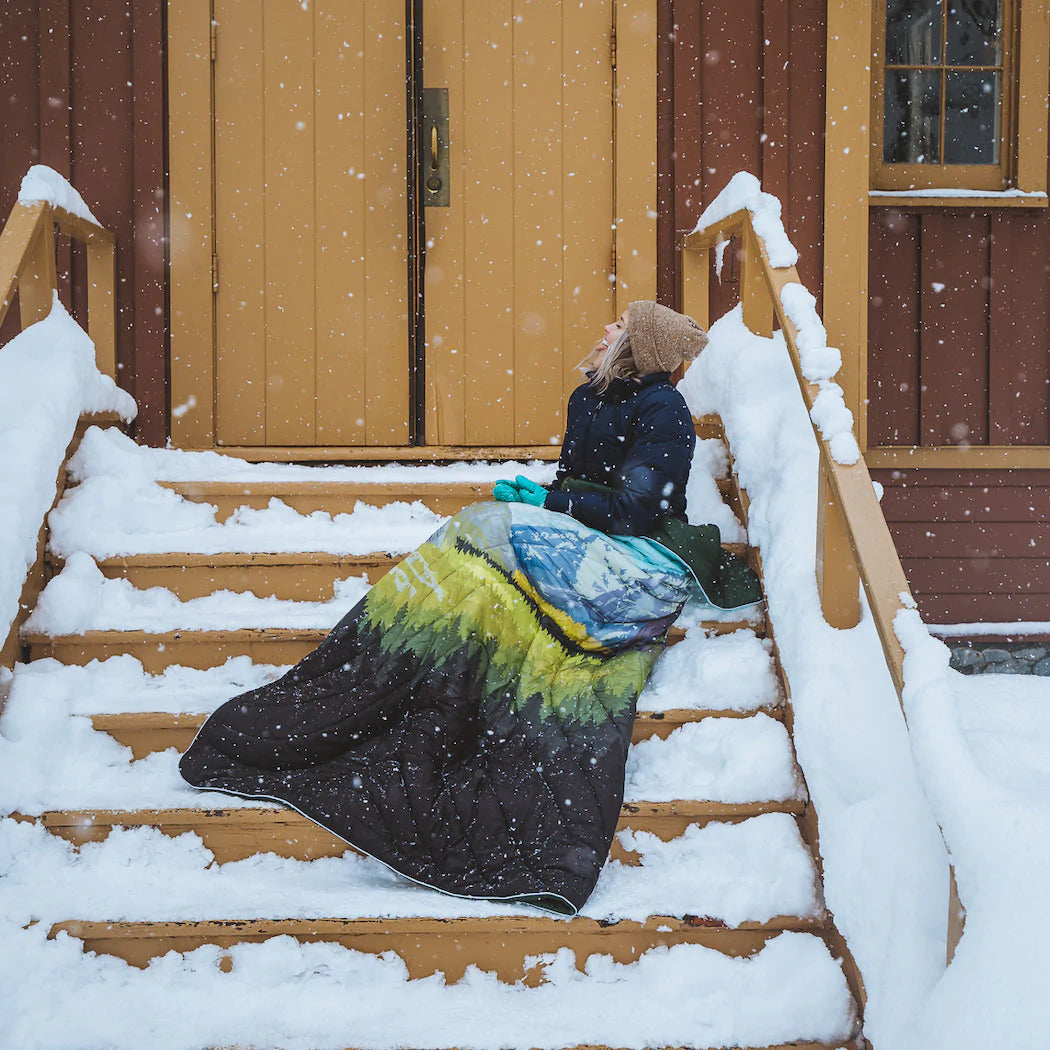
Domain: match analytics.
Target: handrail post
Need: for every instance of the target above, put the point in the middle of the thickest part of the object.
(39, 278)
(102, 302)
(838, 580)
(754, 292)
(695, 286)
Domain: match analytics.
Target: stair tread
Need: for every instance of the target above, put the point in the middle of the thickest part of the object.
(148, 731)
(264, 557)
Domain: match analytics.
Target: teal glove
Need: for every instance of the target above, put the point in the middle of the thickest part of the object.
(530, 492)
(506, 492)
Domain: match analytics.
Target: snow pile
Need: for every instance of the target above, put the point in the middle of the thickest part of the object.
(718, 759)
(820, 363)
(747, 872)
(51, 759)
(109, 453)
(48, 380)
(282, 993)
(118, 507)
(42, 183)
(885, 868)
(723, 672)
(81, 599)
(119, 685)
(743, 191)
(106, 516)
(982, 744)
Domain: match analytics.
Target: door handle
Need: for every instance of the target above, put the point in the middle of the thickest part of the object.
(436, 188)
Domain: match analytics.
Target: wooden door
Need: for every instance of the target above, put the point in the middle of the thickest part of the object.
(311, 301)
(311, 205)
(518, 266)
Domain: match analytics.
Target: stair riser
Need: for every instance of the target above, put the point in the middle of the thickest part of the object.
(501, 946)
(206, 649)
(300, 583)
(295, 577)
(151, 732)
(342, 498)
(237, 834)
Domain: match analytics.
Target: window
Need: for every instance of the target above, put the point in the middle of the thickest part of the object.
(944, 83)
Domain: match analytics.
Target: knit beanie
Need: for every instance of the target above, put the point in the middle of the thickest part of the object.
(661, 339)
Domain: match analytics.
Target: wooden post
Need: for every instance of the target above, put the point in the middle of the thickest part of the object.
(956, 916)
(696, 276)
(39, 280)
(754, 292)
(102, 302)
(837, 577)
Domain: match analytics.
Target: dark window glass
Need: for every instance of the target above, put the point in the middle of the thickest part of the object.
(973, 32)
(913, 32)
(913, 117)
(971, 119)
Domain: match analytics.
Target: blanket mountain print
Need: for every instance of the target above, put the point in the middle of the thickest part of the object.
(467, 722)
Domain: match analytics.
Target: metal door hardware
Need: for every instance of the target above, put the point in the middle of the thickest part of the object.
(436, 168)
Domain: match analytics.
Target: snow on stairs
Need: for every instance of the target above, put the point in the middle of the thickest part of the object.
(727, 873)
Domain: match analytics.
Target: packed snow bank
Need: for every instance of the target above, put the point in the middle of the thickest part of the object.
(48, 380)
(118, 508)
(982, 744)
(747, 872)
(305, 996)
(885, 868)
(81, 599)
(42, 183)
(109, 453)
(744, 192)
(820, 363)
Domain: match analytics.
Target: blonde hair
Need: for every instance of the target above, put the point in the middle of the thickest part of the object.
(618, 363)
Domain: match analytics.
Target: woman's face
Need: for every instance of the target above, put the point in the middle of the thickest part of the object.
(612, 330)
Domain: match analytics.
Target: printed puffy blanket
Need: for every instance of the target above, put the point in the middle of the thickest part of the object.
(467, 722)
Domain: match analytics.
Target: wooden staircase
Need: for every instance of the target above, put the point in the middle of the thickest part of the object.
(507, 945)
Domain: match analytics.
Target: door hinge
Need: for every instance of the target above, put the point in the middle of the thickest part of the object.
(612, 47)
(612, 260)
(214, 40)
(214, 273)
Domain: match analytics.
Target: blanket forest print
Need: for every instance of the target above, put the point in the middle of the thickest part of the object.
(467, 722)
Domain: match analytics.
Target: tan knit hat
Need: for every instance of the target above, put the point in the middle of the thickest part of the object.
(661, 339)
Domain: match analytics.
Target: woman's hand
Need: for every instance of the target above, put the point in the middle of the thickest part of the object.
(520, 490)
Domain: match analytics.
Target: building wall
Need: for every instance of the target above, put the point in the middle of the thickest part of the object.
(959, 353)
(958, 318)
(741, 88)
(82, 84)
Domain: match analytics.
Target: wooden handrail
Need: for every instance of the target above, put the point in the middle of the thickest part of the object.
(27, 265)
(853, 539)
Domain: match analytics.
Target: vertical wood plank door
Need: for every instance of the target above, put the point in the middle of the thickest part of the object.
(311, 301)
(518, 267)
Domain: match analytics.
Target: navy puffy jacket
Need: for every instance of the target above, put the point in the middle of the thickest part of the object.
(637, 438)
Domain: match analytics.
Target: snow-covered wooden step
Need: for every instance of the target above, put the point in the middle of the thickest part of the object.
(307, 576)
(340, 497)
(788, 996)
(201, 649)
(235, 834)
(147, 732)
(501, 946)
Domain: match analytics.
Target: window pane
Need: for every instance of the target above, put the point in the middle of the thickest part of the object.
(973, 32)
(913, 32)
(971, 123)
(913, 117)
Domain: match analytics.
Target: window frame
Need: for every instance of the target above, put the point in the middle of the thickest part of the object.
(986, 178)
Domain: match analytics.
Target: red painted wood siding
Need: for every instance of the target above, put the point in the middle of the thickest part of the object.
(741, 84)
(959, 347)
(83, 90)
(975, 546)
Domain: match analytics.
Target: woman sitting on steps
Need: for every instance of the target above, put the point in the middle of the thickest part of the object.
(467, 722)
